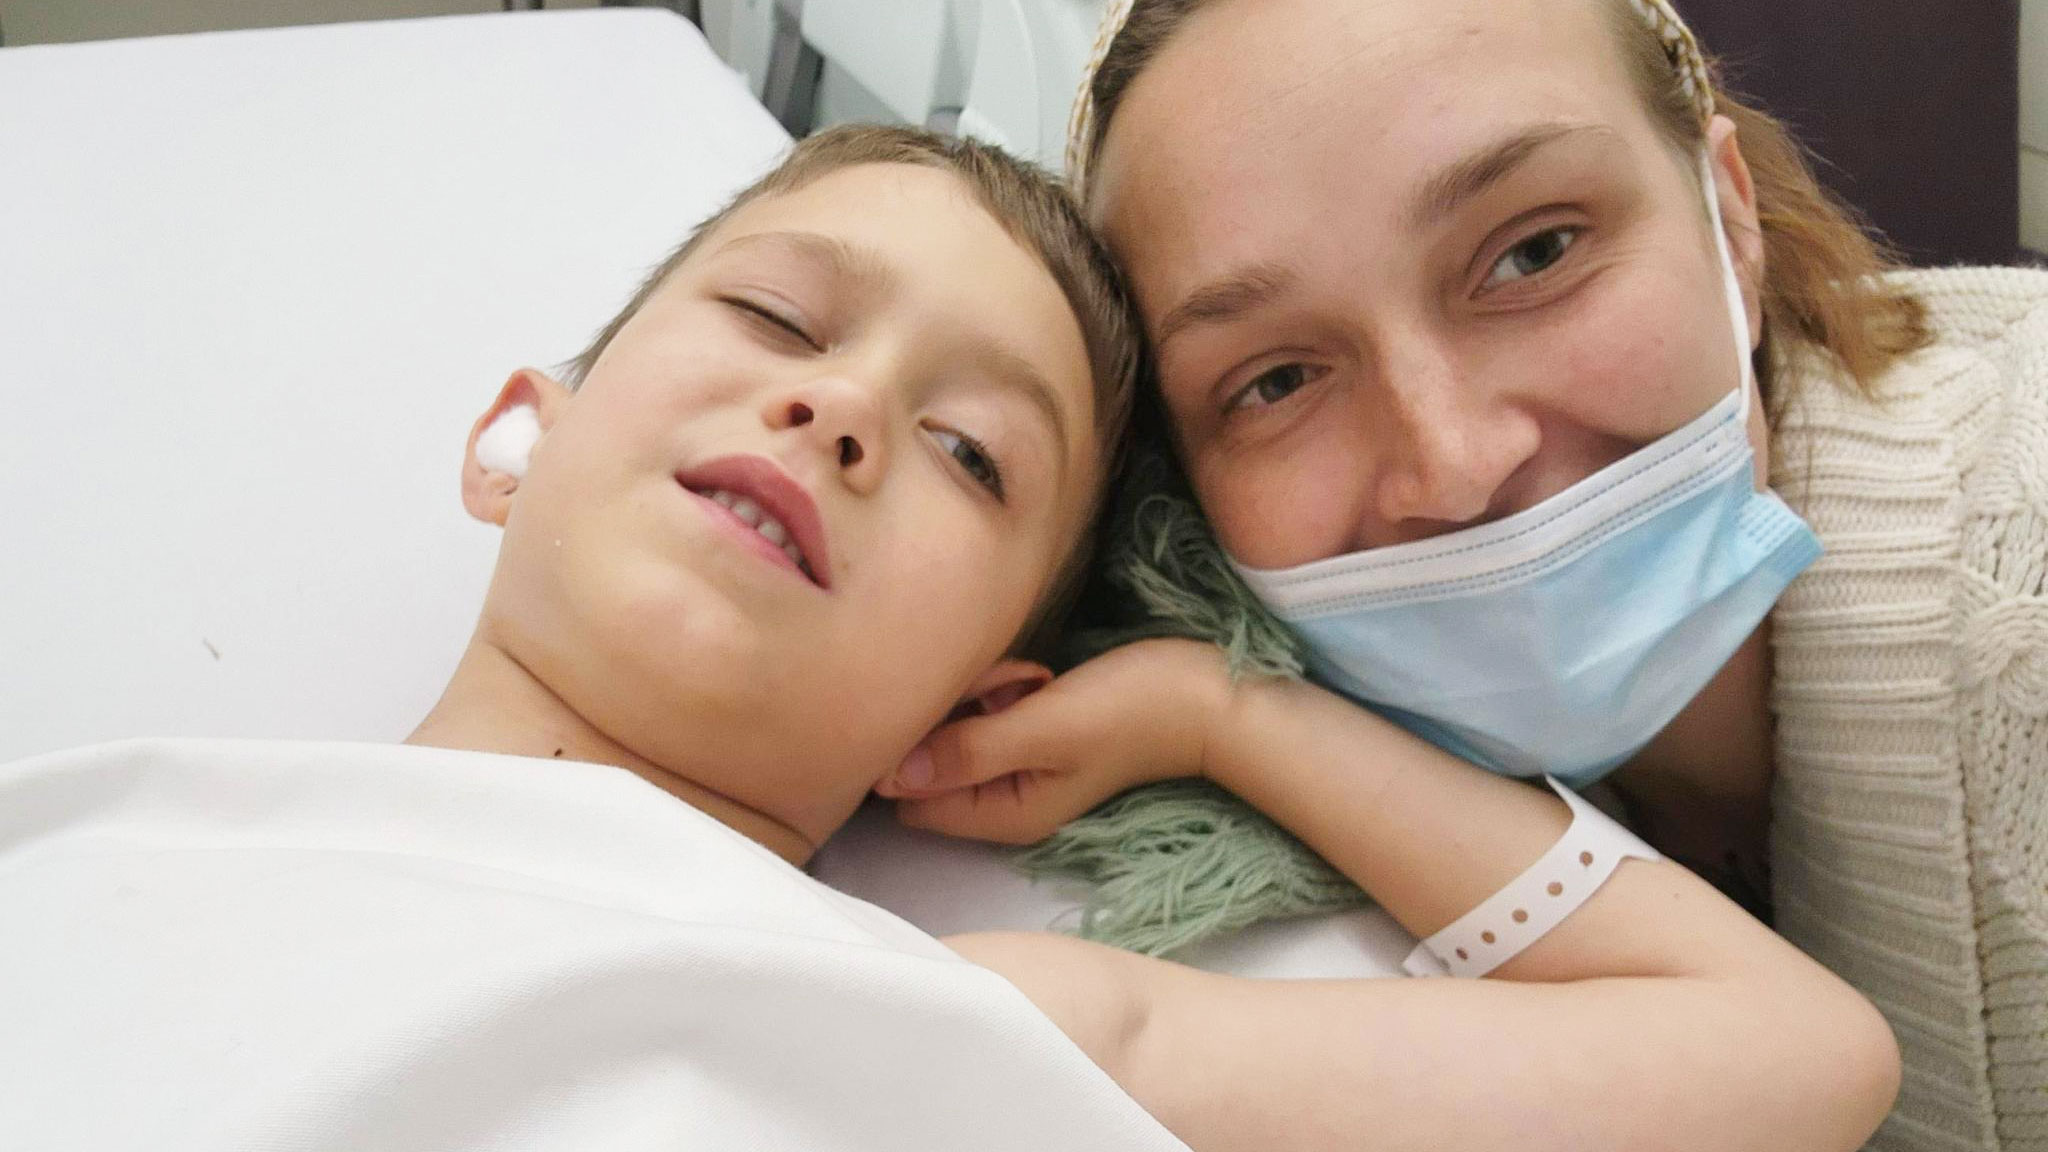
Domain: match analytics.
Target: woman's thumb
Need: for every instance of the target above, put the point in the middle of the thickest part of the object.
(971, 751)
(1022, 807)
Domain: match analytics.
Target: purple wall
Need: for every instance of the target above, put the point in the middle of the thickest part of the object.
(1913, 104)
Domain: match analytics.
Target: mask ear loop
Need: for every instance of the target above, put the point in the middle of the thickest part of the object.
(1731, 284)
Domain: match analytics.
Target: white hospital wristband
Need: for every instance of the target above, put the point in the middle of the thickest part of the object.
(1537, 900)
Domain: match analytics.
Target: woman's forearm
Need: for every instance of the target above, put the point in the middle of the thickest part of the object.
(1678, 1064)
(1626, 1064)
(1656, 1016)
(1430, 837)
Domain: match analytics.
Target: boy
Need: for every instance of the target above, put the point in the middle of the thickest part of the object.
(817, 487)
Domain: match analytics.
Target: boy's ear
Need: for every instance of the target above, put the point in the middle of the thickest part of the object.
(1005, 683)
(494, 461)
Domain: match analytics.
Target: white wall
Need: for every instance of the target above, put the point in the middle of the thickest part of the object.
(2034, 124)
(66, 21)
(1003, 70)
(729, 22)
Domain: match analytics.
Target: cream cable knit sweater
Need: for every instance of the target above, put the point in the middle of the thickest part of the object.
(1910, 839)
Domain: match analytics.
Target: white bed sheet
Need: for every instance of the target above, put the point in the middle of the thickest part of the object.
(254, 287)
(946, 886)
(306, 947)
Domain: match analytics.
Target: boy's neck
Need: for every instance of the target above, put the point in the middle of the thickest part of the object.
(494, 704)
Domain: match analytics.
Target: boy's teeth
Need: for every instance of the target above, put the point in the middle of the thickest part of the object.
(768, 526)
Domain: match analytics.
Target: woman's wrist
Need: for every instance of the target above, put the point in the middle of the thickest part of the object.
(1236, 758)
(1201, 688)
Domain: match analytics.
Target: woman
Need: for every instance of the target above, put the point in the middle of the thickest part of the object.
(1441, 296)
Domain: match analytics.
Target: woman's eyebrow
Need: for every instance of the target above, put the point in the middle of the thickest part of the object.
(1226, 298)
(1463, 179)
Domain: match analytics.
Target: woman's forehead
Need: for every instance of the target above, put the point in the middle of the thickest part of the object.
(1274, 70)
(1255, 111)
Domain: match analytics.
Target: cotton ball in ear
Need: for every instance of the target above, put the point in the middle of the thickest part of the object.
(506, 444)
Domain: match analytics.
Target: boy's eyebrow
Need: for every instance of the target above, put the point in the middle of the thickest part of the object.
(862, 266)
(1009, 368)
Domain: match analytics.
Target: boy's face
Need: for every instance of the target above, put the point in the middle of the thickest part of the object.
(903, 389)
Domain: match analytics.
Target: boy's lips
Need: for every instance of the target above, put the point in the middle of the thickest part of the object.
(728, 481)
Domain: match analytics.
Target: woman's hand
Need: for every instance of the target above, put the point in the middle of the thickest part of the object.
(1134, 715)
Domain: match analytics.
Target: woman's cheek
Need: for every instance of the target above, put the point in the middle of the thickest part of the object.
(1646, 358)
(1284, 508)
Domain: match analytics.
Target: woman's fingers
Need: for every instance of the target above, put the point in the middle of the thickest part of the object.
(1007, 777)
(1136, 714)
(1031, 734)
(1020, 808)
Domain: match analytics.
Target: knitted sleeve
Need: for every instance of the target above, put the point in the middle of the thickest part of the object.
(1910, 814)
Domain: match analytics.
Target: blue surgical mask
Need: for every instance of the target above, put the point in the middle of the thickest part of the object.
(1562, 639)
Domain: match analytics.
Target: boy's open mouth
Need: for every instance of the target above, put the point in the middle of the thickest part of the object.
(758, 496)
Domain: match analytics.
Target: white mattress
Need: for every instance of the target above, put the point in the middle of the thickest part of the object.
(255, 286)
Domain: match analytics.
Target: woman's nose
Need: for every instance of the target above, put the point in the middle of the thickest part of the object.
(841, 418)
(1453, 452)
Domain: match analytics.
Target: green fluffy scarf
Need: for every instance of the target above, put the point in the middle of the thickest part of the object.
(1173, 864)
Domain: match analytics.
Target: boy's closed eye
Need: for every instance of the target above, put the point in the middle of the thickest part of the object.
(777, 321)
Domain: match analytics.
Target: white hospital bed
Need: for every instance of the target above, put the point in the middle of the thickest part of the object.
(254, 287)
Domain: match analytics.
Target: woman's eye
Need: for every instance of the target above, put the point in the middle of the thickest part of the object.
(1531, 256)
(973, 458)
(773, 319)
(1271, 387)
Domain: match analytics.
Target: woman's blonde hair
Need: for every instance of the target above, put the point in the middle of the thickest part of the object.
(1824, 288)
(1824, 285)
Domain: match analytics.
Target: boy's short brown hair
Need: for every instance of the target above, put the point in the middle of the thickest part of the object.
(1038, 213)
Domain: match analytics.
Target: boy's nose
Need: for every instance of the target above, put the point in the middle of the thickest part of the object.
(841, 419)
(849, 449)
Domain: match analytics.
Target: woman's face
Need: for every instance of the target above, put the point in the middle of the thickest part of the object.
(1412, 265)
